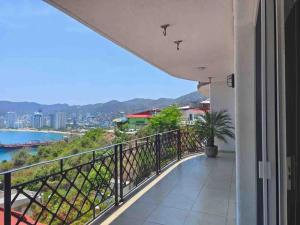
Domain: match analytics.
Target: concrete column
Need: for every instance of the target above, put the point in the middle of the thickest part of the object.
(222, 97)
(244, 30)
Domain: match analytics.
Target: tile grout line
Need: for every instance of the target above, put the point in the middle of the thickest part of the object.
(232, 171)
(134, 198)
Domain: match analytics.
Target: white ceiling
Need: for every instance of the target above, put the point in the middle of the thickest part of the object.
(205, 26)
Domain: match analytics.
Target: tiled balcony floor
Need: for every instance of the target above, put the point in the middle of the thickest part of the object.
(198, 191)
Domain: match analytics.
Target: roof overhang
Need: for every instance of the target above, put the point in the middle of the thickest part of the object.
(204, 26)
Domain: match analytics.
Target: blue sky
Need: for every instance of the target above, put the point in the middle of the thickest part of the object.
(48, 57)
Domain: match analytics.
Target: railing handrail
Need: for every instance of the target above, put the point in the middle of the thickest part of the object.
(80, 153)
(102, 181)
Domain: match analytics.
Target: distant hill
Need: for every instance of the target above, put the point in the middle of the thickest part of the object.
(130, 106)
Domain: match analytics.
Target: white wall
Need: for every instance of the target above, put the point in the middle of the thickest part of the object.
(244, 55)
(222, 97)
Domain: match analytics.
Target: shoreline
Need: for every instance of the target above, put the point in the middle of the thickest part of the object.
(39, 131)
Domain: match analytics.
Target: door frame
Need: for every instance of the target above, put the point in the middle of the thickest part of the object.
(281, 114)
(268, 166)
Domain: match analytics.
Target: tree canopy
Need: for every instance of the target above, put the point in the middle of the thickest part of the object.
(168, 119)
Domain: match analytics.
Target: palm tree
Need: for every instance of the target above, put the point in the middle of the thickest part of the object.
(214, 124)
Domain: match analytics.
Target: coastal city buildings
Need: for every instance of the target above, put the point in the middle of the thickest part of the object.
(62, 120)
(56, 120)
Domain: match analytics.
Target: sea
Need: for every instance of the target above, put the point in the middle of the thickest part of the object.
(19, 137)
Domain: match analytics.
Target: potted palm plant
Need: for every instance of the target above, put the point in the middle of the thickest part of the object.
(211, 125)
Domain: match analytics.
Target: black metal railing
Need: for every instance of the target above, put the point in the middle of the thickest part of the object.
(78, 188)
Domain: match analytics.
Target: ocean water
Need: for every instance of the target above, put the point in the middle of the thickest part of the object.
(16, 137)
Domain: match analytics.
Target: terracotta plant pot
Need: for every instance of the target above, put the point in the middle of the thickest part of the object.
(211, 151)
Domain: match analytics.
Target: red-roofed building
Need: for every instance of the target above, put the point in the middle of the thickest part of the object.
(15, 217)
(141, 119)
(135, 121)
(146, 115)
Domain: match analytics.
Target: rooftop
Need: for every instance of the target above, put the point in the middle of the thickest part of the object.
(140, 115)
(146, 114)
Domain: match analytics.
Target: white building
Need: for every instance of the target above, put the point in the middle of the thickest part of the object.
(37, 120)
(11, 118)
(59, 121)
(190, 115)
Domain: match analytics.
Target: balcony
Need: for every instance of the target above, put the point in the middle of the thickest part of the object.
(198, 190)
(86, 187)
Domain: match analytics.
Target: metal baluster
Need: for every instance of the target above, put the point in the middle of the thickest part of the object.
(7, 199)
(157, 153)
(178, 145)
(121, 171)
(116, 175)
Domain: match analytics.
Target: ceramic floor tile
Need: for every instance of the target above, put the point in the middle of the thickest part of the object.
(168, 216)
(196, 218)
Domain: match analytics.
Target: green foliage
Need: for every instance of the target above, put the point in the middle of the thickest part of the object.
(20, 158)
(124, 127)
(90, 140)
(215, 124)
(144, 166)
(145, 131)
(6, 165)
(121, 136)
(99, 177)
(168, 155)
(168, 119)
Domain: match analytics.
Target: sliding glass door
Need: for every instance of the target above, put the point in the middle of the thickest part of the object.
(292, 94)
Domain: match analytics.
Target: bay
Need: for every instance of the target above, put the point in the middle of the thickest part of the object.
(19, 137)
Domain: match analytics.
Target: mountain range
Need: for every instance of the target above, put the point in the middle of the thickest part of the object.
(114, 106)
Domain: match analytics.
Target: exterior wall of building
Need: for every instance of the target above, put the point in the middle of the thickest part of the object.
(11, 118)
(189, 116)
(37, 120)
(60, 121)
(222, 97)
(137, 123)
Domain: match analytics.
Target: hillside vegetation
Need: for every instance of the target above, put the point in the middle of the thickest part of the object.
(96, 168)
(130, 106)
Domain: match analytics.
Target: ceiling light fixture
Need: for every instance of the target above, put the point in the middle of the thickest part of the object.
(164, 27)
(178, 43)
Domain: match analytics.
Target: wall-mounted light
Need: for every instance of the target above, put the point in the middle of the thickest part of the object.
(230, 80)
(201, 68)
(178, 43)
(164, 27)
